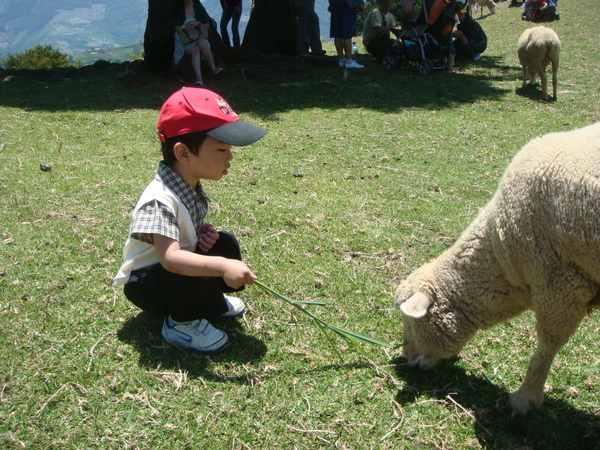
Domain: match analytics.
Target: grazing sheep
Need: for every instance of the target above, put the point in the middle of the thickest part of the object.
(536, 245)
(538, 47)
(481, 3)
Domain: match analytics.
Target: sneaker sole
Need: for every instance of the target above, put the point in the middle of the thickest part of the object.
(233, 315)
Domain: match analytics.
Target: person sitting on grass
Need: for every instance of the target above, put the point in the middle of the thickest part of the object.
(191, 14)
(376, 31)
(175, 264)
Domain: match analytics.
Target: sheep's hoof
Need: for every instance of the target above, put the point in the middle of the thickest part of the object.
(523, 402)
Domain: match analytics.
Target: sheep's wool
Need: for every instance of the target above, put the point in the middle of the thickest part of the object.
(536, 245)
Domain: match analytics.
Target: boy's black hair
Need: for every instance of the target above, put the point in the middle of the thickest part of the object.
(193, 141)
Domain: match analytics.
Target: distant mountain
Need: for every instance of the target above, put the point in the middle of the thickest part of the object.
(79, 26)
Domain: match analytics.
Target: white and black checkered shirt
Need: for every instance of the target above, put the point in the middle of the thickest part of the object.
(155, 218)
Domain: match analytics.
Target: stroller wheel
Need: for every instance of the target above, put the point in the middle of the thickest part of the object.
(389, 62)
(425, 67)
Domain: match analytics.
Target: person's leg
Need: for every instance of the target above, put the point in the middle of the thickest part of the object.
(339, 47)
(348, 29)
(194, 52)
(302, 24)
(463, 50)
(235, 27)
(315, 34)
(158, 291)
(228, 247)
(225, 18)
(336, 31)
(204, 46)
(347, 43)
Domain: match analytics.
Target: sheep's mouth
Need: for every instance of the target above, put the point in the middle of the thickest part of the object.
(422, 362)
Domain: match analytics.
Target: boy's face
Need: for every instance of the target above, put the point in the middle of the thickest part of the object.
(212, 161)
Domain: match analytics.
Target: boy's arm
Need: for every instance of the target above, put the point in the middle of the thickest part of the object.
(174, 259)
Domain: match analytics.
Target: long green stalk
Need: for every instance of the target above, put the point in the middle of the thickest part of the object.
(346, 334)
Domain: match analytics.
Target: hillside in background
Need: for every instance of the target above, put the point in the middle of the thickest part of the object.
(84, 26)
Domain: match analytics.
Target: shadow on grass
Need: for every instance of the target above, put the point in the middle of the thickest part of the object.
(535, 93)
(143, 333)
(557, 425)
(265, 90)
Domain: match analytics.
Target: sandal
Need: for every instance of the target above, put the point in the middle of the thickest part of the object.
(218, 71)
(199, 84)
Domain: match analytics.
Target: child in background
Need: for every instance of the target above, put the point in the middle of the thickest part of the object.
(175, 264)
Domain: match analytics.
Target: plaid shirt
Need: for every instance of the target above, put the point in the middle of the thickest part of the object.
(155, 218)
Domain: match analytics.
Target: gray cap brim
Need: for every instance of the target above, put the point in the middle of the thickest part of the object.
(238, 133)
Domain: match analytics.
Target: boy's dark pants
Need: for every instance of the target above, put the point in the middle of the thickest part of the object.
(158, 291)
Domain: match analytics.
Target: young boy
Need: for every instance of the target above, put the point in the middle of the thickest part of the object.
(175, 264)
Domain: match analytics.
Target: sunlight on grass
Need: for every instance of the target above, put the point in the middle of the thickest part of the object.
(357, 183)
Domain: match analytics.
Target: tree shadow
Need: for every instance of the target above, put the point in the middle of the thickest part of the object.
(282, 84)
(557, 425)
(143, 333)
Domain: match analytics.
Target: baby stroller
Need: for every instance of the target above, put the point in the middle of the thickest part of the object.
(417, 41)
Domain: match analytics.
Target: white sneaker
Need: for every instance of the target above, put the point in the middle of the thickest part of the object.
(197, 335)
(351, 64)
(477, 57)
(342, 62)
(236, 308)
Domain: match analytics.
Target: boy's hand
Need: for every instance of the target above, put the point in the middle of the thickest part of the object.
(208, 238)
(237, 274)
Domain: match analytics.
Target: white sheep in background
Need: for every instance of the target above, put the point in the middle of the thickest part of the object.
(536, 245)
(538, 47)
(473, 4)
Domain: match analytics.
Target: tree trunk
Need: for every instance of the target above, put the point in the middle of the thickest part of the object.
(158, 37)
(271, 29)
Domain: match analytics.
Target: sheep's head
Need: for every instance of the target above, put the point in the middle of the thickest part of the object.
(430, 329)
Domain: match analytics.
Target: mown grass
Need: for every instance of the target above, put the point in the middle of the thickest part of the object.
(357, 183)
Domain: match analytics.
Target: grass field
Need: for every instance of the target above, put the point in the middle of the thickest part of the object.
(357, 183)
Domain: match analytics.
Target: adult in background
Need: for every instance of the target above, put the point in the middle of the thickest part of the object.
(232, 11)
(308, 31)
(191, 14)
(343, 29)
(470, 39)
(378, 26)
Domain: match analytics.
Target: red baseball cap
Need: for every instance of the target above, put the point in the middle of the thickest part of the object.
(193, 109)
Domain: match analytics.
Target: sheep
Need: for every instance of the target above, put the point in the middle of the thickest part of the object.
(538, 47)
(481, 3)
(536, 245)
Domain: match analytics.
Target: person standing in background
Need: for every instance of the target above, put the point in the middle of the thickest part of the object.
(308, 31)
(232, 11)
(343, 29)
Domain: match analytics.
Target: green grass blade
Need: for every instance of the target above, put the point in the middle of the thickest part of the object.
(346, 334)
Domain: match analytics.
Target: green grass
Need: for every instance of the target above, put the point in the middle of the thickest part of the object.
(356, 184)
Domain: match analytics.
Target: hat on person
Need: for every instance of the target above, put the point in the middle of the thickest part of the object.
(461, 6)
(193, 109)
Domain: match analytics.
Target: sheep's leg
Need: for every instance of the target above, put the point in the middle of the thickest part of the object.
(525, 77)
(544, 78)
(551, 337)
(554, 79)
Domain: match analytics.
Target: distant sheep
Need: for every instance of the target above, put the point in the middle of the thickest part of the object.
(481, 3)
(538, 47)
(536, 245)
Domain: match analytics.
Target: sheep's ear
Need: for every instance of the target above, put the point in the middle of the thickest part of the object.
(417, 305)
